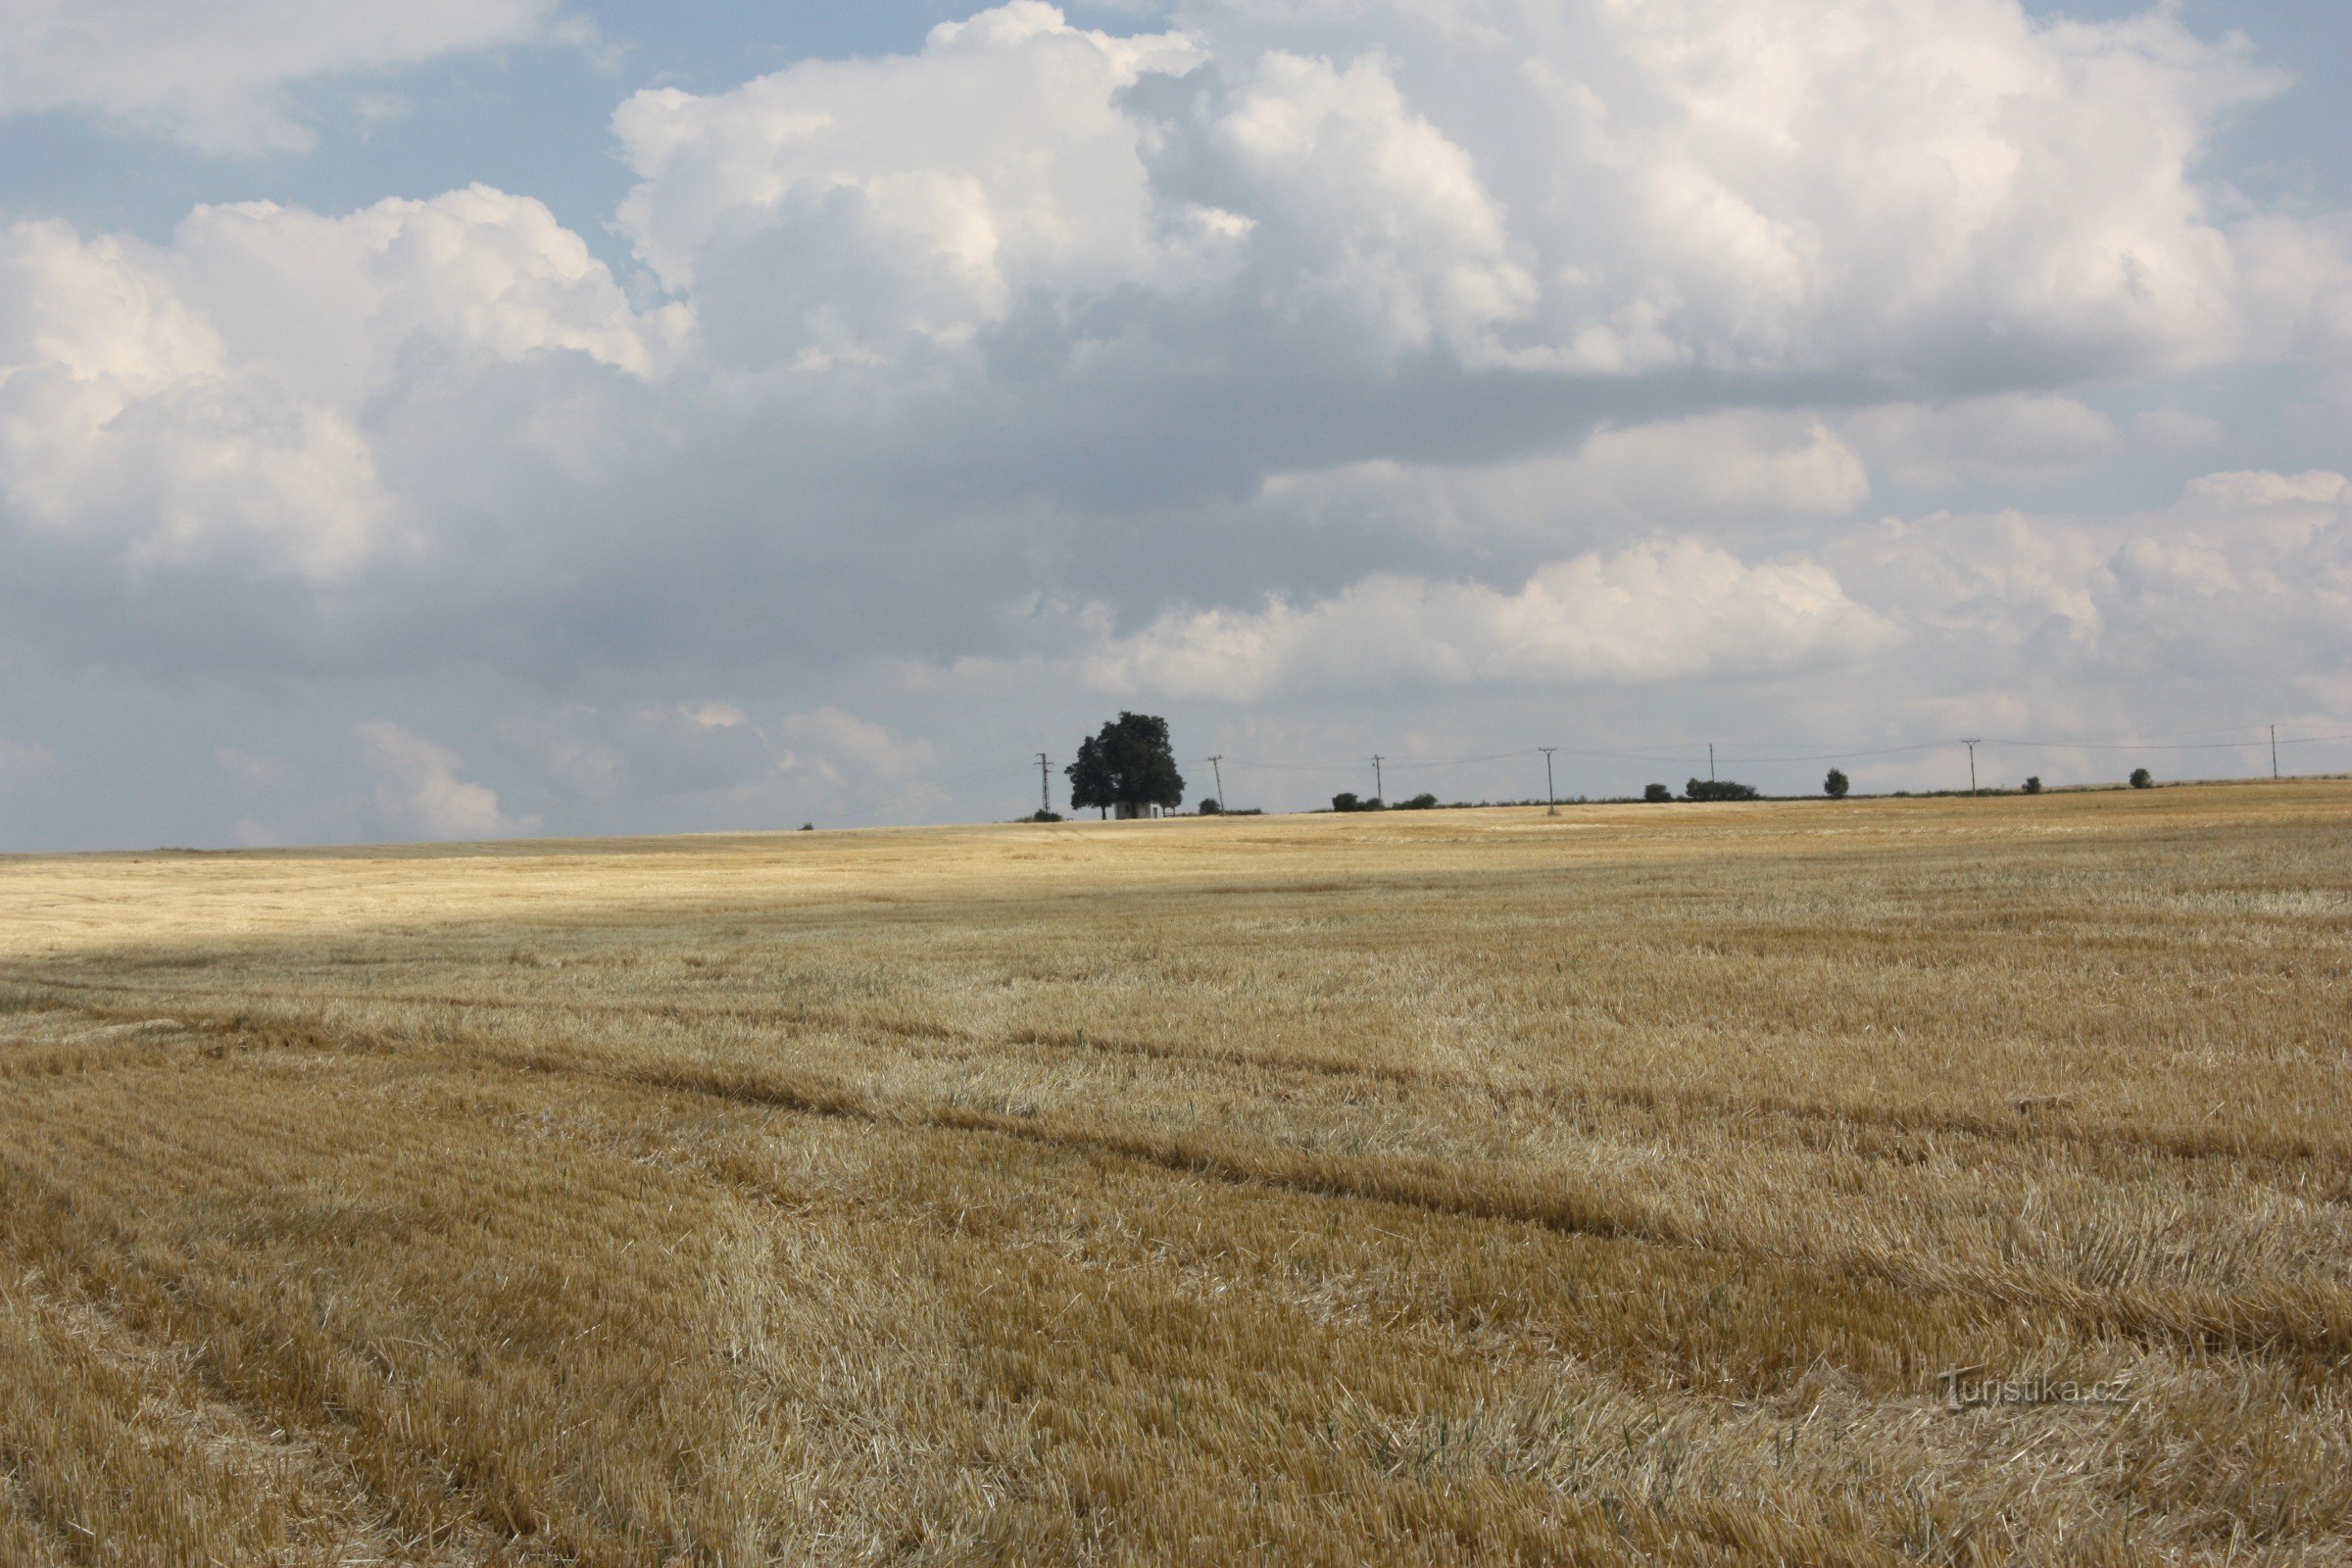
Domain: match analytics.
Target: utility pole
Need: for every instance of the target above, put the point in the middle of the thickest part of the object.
(1971, 765)
(1045, 786)
(1220, 773)
(1710, 762)
(2273, 754)
(1550, 806)
(1378, 792)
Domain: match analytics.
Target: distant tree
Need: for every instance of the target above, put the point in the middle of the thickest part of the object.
(1837, 784)
(1419, 803)
(1656, 794)
(808, 827)
(1130, 764)
(1090, 777)
(1345, 800)
(1042, 816)
(1212, 806)
(1711, 789)
(2034, 785)
(2143, 779)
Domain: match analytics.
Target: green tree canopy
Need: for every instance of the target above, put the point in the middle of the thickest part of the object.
(1130, 764)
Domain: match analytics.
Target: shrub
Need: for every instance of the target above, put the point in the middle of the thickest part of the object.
(1837, 784)
(1345, 800)
(1212, 806)
(1655, 793)
(1718, 788)
(1419, 803)
(2143, 779)
(2034, 785)
(1042, 816)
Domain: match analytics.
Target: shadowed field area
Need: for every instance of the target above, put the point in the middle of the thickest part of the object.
(1739, 1184)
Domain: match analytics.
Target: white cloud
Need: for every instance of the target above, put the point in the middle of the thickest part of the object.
(416, 789)
(841, 747)
(1652, 613)
(340, 303)
(1358, 207)
(214, 76)
(677, 750)
(2245, 575)
(1763, 185)
(2298, 273)
(175, 405)
(1715, 468)
(1914, 191)
(2012, 437)
(853, 207)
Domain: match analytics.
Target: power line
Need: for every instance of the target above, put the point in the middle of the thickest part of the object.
(1458, 761)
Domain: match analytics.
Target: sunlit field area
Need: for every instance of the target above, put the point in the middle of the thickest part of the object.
(1869, 1181)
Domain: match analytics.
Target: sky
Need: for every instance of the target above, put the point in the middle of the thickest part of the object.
(477, 419)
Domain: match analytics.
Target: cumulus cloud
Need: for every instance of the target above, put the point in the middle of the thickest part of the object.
(216, 76)
(2246, 574)
(172, 406)
(1652, 613)
(849, 209)
(416, 790)
(2010, 437)
(1361, 215)
(125, 418)
(1919, 192)
(1718, 468)
(1910, 189)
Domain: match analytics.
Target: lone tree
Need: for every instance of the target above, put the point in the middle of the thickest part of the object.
(1837, 784)
(1655, 793)
(2034, 785)
(2143, 779)
(1129, 767)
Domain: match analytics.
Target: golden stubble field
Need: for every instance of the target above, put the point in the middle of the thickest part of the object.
(1693, 1184)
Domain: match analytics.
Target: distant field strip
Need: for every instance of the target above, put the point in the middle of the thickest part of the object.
(1636, 1185)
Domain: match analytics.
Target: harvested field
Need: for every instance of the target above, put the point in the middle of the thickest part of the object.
(1928, 1181)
